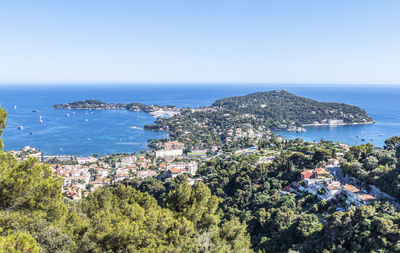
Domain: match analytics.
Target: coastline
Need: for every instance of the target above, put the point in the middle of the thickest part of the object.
(339, 124)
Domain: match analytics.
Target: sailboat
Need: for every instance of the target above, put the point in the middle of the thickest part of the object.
(20, 127)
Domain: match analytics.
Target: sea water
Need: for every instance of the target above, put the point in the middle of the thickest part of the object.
(106, 132)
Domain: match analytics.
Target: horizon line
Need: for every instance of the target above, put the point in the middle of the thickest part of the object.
(104, 83)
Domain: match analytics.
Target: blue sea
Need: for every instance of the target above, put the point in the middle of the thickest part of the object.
(107, 132)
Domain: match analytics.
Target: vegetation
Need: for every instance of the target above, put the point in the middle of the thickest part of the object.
(99, 105)
(118, 218)
(258, 113)
(375, 166)
(237, 208)
(285, 107)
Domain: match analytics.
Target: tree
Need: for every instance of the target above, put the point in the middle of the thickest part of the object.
(18, 242)
(307, 224)
(3, 116)
(392, 143)
(30, 187)
(196, 203)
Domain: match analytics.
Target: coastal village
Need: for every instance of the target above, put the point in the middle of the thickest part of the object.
(82, 175)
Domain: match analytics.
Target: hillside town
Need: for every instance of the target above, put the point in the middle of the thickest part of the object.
(82, 175)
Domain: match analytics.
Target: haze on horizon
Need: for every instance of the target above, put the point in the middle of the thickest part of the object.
(313, 42)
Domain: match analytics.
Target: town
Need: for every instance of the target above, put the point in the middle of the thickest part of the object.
(167, 160)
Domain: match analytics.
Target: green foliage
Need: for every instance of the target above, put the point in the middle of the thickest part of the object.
(195, 204)
(29, 186)
(238, 208)
(282, 105)
(378, 167)
(3, 116)
(18, 242)
(122, 218)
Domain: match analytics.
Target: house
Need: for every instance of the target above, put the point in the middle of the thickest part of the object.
(307, 174)
(174, 172)
(190, 167)
(146, 173)
(332, 190)
(127, 161)
(351, 193)
(366, 199)
(321, 172)
(121, 174)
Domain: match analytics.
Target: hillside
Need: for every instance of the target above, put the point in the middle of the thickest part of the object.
(284, 106)
(253, 116)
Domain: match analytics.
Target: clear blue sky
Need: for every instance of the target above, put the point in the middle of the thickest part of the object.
(281, 41)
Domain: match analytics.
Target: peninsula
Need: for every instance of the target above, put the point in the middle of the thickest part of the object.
(156, 110)
(252, 114)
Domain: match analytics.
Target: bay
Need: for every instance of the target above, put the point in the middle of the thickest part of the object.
(107, 132)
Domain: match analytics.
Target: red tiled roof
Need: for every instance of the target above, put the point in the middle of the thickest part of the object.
(321, 171)
(176, 170)
(366, 197)
(307, 174)
(351, 188)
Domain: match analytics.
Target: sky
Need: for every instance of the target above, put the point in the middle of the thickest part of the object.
(203, 41)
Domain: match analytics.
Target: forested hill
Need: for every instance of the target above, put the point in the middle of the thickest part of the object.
(283, 106)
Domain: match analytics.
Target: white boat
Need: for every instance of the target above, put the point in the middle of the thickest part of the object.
(67, 114)
(41, 121)
(15, 107)
(40, 116)
(86, 120)
(88, 139)
(20, 127)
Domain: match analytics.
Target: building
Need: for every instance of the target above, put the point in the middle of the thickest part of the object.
(366, 199)
(351, 193)
(146, 173)
(170, 152)
(190, 167)
(307, 174)
(170, 145)
(321, 172)
(83, 160)
(174, 172)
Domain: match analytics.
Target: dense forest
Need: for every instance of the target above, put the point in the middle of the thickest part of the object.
(283, 106)
(377, 167)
